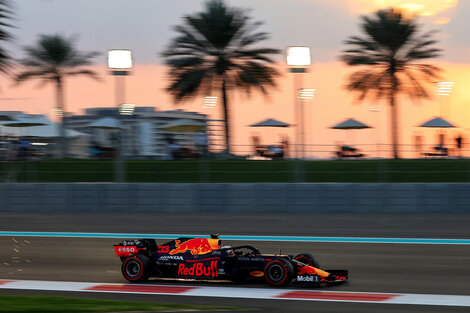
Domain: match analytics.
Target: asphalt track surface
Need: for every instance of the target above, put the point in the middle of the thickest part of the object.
(401, 268)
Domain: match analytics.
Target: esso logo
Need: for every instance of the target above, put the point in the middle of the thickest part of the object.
(127, 249)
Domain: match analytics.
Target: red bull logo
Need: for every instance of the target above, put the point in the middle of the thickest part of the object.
(198, 269)
(310, 270)
(196, 246)
(306, 270)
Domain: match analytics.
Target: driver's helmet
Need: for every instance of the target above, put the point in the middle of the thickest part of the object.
(228, 250)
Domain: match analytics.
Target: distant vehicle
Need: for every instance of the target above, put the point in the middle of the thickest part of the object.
(206, 259)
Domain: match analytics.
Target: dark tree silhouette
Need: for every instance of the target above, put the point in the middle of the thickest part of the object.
(214, 50)
(390, 53)
(51, 60)
(5, 15)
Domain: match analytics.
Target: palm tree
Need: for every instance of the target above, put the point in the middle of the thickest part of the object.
(214, 50)
(5, 14)
(390, 54)
(51, 60)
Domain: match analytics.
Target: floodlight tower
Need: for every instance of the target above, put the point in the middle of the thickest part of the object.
(119, 64)
(298, 60)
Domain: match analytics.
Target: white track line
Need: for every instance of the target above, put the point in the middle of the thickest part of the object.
(246, 293)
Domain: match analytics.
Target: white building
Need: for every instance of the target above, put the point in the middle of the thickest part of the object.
(143, 133)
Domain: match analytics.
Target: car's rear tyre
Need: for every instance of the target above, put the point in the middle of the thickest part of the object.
(308, 259)
(136, 268)
(279, 272)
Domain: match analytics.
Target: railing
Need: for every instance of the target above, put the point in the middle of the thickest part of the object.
(322, 163)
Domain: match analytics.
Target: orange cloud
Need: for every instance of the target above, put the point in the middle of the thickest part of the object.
(439, 10)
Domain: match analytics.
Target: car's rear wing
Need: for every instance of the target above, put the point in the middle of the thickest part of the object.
(137, 246)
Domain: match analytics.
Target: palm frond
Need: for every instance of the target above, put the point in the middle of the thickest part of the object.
(27, 75)
(189, 61)
(392, 46)
(83, 72)
(186, 83)
(213, 49)
(53, 57)
(5, 35)
(216, 43)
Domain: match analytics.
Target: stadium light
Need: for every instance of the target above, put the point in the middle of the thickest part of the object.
(127, 109)
(298, 56)
(120, 63)
(210, 102)
(445, 88)
(298, 60)
(119, 59)
(306, 94)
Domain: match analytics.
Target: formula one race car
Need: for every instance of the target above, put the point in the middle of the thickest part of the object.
(206, 259)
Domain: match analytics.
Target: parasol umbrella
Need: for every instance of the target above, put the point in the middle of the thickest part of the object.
(24, 122)
(271, 123)
(349, 124)
(438, 122)
(108, 124)
(105, 123)
(5, 118)
(184, 126)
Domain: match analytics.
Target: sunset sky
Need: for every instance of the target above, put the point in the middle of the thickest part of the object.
(145, 27)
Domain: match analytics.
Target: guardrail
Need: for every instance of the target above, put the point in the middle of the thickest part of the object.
(236, 198)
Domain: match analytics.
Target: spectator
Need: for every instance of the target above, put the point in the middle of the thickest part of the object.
(24, 149)
(170, 149)
(285, 146)
(459, 142)
(202, 144)
(256, 142)
(95, 150)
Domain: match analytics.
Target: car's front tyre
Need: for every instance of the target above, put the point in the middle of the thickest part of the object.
(279, 272)
(307, 259)
(136, 268)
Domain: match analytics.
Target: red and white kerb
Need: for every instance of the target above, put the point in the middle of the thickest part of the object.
(248, 293)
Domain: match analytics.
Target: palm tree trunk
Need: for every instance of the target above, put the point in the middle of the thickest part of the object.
(61, 107)
(394, 109)
(226, 116)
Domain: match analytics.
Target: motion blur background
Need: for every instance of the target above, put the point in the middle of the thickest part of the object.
(146, 29)
(88, 147)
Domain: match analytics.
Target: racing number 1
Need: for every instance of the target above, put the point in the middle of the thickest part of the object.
(163, 249)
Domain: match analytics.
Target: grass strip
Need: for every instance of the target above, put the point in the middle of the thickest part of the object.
(46, 304)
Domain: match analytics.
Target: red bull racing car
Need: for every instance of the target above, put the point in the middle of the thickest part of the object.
(207, 259)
